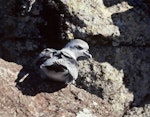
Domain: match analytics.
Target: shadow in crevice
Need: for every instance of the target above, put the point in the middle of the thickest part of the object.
(109, 3)
(136, 78)
(89, 87)
(47, 29)
(52, 31)
(24, 50)
(50, 28)
(54, 27)
(30, 83)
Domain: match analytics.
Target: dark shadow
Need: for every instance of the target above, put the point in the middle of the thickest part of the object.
(147, 2)
(98, 91)
(51, 25)
(50, 29)
(146, 100)
(109, 3)
(136, 3)
(135, 76)
(99, 40)
(125, 25)
(31, 84)
(53, 28)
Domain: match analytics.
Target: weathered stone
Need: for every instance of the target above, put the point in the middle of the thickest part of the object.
(122, 21)
(68, 101)
(105, 82)
(16, 25)
(134, 62)
(139, 112)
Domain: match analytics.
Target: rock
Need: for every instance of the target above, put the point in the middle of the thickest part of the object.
(85, 113)
(139, 112)
(25, 20)
(115, 20)
(106, 82)
(68, 101)
(19, 50)
(135, 64)
(15, 23)
(148, 4)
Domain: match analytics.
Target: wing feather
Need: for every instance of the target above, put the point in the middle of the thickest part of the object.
(65, 62)
(44, 55)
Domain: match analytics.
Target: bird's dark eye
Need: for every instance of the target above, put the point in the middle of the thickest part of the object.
(79, 47)
(46, 50)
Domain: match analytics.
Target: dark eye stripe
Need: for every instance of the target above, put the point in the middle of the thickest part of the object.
(79, 47)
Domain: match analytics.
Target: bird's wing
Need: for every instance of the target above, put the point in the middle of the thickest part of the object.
(63, 60)
(44, 55)
(71, 65)
(47, 52)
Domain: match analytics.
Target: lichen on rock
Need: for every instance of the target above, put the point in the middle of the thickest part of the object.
(106, 82)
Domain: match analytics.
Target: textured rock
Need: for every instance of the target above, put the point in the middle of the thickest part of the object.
(116, 22)
(106, 82)
(68, 101)
(139, 112)
(15, 23)
(135, 64)
(36, 22)
(19, 51)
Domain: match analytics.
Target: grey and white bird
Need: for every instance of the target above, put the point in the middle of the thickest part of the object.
(62, 65)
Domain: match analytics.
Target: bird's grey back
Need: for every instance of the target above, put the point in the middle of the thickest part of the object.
(44, 55)
(61, 59)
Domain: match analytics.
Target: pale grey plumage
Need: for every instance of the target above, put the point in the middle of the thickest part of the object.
(61, 65)
(67, 72)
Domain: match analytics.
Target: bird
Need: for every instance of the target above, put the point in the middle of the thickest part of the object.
(62, 65)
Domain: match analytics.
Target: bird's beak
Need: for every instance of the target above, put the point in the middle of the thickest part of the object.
(87, 54)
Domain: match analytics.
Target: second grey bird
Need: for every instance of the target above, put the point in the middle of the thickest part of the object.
(61, 65)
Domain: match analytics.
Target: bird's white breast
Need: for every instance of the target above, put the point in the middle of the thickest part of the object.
(58, 76)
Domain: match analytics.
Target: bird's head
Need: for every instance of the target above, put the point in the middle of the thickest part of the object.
(79, 48)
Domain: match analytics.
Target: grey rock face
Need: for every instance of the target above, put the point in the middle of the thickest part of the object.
(139, 112)
(123, 22)
(15, 23)
(106, 82)
(135, 64)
